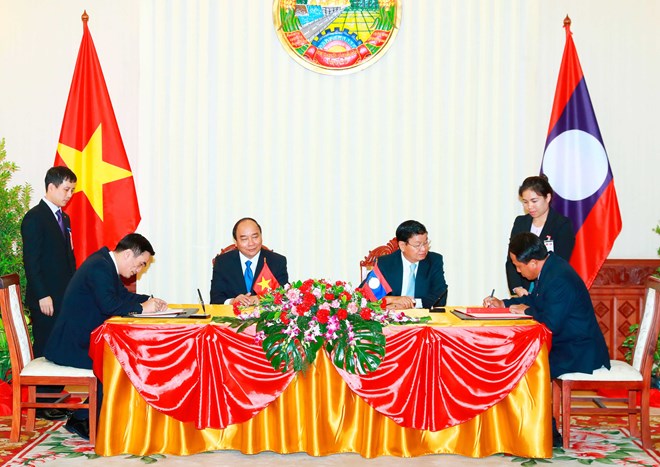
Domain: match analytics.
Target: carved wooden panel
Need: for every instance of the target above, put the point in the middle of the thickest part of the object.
(618, 296)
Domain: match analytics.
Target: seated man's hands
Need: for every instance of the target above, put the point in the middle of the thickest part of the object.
(400, 303)
(246, 300)
(493, 302)
(518, 309)
(154, 304)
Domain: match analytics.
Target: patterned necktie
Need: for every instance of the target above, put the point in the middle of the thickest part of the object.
(411, 281)
(60, 221)
(248, 276)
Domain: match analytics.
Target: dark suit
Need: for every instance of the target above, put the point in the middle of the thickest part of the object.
(561, 301)
(429, 280)
(560, 231)
(228, 280)
(94, 294)
(49, 265)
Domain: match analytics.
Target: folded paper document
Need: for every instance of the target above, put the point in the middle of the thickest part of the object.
(169, 313)
(486, 313)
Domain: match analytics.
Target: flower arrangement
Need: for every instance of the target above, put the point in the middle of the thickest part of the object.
(295, 321)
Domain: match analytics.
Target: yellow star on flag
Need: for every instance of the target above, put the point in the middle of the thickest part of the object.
(264, 283)
(92, 171)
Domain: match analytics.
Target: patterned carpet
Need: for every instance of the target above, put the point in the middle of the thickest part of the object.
(595, 440)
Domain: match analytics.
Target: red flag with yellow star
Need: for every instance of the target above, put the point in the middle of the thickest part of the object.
(265, 281)
(104, 206)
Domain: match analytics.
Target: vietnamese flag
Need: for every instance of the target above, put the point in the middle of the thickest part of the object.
(265, 281)
(104, 206)
(578, 168)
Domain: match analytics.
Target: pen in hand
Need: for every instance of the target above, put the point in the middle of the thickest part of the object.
(490, 302)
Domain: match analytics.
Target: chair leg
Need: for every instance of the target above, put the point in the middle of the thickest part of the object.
(556, 401)
(645, 418)
(566, 414)
(633, 421)
(15, 433)
(31, 412)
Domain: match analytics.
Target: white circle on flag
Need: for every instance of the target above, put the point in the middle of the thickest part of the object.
(374, 283)
(576, 164)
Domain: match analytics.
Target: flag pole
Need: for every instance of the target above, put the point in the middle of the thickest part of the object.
(567, 22)
(85, 16)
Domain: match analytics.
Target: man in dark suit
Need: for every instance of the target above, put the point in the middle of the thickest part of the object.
(413, 272)
(96, 293)
(561, 301)
(235, 273)
(49, 263)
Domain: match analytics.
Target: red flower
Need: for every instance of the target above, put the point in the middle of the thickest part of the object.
(277, 298)
(284, 318)
(307, 286)
(309, 300)
(302, 309)
(342, 313)
(345, 295)
(383, 303)
(329, 296)
(365, 314)
(237, 310)
(339, 283)
(322, 316)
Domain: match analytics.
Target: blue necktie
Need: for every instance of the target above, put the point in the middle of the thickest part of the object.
(411, 281)
(60, 221)
(248, 276)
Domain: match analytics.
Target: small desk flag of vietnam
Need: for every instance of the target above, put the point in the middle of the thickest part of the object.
(578, 168)
(266, 281)
(375, 286)
(104, 206)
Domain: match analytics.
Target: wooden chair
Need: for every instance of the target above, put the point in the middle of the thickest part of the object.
(29, 371)
(231, 247)
(367, 264)
(635, 379)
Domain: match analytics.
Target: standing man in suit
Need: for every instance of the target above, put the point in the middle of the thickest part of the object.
(235, 272)
(49, 263)
(95, 294)
(561, 301)
(413, 272)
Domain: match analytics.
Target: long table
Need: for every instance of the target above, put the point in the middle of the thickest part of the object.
(469, 388)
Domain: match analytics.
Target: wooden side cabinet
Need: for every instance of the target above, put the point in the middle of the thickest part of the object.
(618, 296)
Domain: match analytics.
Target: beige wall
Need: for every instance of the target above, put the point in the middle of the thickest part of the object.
(219, 123)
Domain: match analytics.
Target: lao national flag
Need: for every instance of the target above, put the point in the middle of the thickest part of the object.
(375, 286)
(578, 169)
(265, 281)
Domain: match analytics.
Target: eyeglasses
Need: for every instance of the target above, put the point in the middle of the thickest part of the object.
(419, 246)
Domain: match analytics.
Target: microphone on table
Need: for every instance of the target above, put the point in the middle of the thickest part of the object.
(436, 307)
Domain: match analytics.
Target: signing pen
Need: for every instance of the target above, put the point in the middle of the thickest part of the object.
(492, 294)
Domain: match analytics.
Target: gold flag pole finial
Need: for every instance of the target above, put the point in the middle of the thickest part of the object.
(85, 16)
(567, 21)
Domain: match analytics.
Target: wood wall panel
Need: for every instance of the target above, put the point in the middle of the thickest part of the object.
(618, 296)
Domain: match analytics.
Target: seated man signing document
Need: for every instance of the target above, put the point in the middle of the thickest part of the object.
(414, 273)
(94, 294)
(561, 301)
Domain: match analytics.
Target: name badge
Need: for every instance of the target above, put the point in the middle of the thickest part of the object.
(549, 244)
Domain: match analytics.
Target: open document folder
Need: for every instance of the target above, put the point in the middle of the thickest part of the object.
(478, 312)
(170, 313)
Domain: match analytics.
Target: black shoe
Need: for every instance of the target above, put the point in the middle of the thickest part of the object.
(53, 414)
(78, 427)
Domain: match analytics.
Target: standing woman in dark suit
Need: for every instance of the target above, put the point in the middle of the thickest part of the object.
(555, 230)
